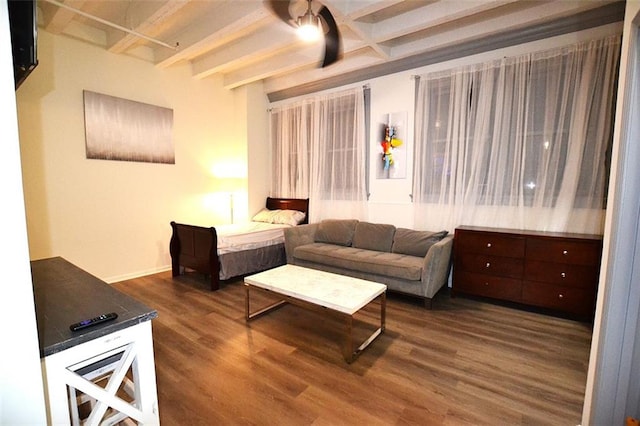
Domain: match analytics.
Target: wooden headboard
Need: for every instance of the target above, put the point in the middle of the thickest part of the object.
(290, 204)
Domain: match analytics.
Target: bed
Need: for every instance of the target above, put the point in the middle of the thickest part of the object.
(228, 251)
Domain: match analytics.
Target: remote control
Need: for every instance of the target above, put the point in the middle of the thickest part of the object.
(93, 321)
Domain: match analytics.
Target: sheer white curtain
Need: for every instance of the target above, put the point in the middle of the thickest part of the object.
(518, 143)
(290, 126)
(319, 151)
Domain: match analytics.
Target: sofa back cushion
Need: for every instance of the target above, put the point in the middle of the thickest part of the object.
(336, 231)
(415, 243)
(373, 236)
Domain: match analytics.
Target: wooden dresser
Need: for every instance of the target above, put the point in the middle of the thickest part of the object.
(556, 271)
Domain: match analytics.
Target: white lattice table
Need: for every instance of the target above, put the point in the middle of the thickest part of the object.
(101, 375)
(70, 374)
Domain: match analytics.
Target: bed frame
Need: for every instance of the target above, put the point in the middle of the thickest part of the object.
(196, 247)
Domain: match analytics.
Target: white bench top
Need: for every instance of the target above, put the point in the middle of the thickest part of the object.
(337, 292)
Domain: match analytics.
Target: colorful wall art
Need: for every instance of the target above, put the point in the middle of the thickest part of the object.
(392, 158)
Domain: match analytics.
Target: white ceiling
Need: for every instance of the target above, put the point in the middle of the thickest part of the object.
(243, 42)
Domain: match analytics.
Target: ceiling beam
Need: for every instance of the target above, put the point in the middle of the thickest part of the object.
(355, 11)
(511, 21)
(148, 16)
(432, 16)
(224, 25)
(246, 51)
(300, 59)
(59, 18)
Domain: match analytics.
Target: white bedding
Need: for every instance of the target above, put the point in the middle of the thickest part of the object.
(247, 236)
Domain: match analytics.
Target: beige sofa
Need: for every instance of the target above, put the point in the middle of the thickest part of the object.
(407, 261)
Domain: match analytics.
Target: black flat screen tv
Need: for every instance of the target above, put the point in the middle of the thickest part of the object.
(24, 35)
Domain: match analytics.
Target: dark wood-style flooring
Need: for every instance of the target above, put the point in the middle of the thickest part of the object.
(463, 363)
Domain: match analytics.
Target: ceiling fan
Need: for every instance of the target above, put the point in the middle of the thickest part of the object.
(322, 22)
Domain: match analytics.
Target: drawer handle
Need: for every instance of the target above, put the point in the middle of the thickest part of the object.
(563, 275)
(560, 296)
(564, 252)
(488, 264)
(486, 284)
(488, 245)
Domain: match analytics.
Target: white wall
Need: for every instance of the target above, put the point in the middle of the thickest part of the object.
(111, 218)
(253, 128)
(21, 386)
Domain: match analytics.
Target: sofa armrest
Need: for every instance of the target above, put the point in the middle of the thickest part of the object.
(298, 236)
(437, 265)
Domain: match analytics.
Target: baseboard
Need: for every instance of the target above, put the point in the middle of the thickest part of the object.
(118, 278)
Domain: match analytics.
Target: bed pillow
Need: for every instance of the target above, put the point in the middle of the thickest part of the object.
(283, 217)
(415, 243)
(288, 217)
(336, 231)
(264, 215)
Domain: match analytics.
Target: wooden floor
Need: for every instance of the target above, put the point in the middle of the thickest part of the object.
(463, 363)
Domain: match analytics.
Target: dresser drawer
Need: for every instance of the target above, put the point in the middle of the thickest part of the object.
(567, 299)
(491, 265)
(488, 286)
(489, 244)
(563, 251)
(557, 273)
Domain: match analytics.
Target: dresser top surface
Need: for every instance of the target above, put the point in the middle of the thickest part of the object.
(525, 233)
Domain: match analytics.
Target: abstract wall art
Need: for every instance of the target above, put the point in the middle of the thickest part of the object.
(125, 130)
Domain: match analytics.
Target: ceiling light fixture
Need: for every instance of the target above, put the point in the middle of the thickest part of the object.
(309, 27)
(322, 24)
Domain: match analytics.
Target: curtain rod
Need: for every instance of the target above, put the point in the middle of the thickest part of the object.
(112, 24)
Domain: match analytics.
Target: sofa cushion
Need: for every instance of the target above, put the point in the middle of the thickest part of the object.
(336, 231)
(373, 236)
(373, 262)
(415, 243)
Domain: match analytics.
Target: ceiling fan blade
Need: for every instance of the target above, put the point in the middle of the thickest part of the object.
(332, 42)
(280, 8)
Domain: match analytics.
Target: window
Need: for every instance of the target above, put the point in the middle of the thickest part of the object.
(519, 134)
(320, 152)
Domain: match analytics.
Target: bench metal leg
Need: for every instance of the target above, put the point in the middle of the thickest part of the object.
(251, 315)
(349, 354)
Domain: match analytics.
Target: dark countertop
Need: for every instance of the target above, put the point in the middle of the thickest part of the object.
(65, 294)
